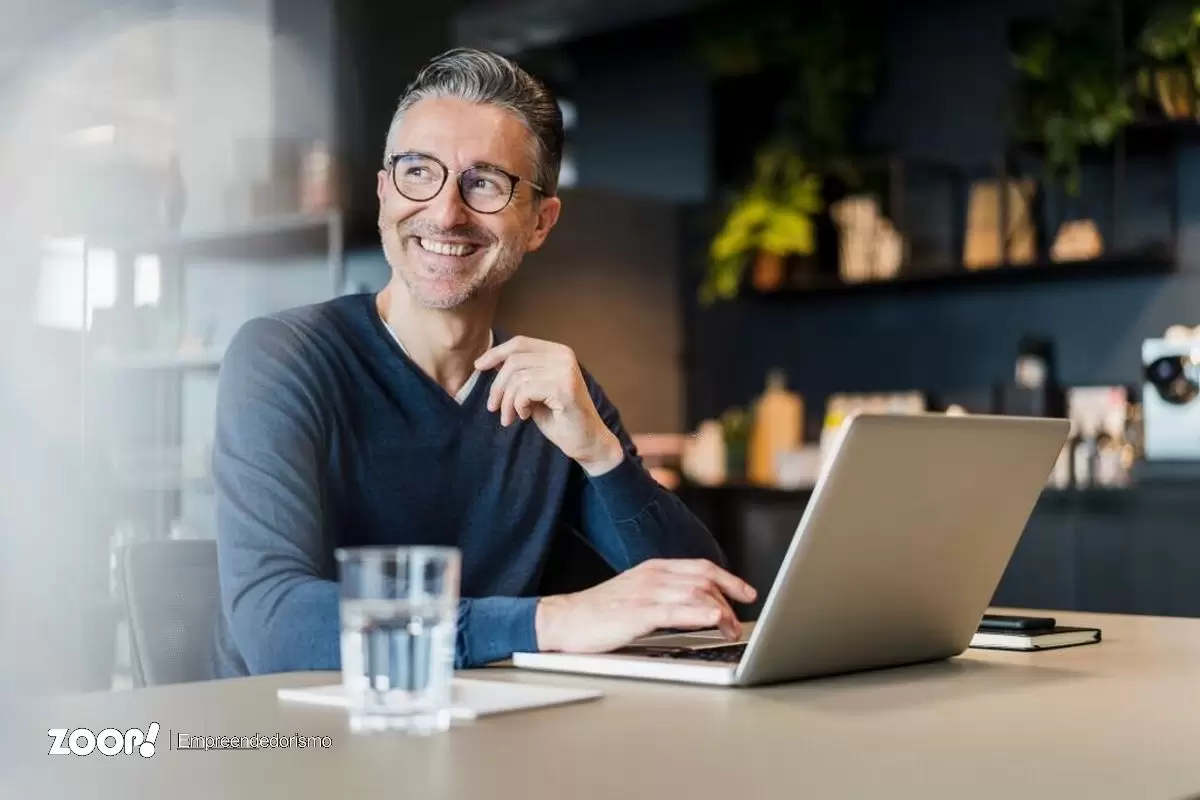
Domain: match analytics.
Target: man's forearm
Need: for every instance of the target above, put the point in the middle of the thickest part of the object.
(298, 631)
(632, 518)
(303, 630)
(493, 628)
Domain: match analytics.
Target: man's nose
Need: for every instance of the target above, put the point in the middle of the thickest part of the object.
(448, 210)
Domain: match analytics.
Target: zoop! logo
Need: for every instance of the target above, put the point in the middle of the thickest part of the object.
(109, 742)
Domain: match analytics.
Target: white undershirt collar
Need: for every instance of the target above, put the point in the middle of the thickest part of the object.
(465, 391)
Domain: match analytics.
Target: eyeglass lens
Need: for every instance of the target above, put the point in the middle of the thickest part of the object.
(420, 178)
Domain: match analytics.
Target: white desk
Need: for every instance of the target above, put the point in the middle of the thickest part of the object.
(1120, 719)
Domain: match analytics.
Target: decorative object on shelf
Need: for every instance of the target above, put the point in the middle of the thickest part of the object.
(319, 180)
(778, 427)
(1170, 41)
(662, 454)
(1072, 92)
(798, 468)
(986, 245)
(770, 222)
(268, 179)
(870, 248)
(704, 461)
(841, 405)
(1077, 240)
(735, 425)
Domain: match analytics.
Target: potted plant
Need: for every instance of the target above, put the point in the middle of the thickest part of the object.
(1170, 41)
(768, 223)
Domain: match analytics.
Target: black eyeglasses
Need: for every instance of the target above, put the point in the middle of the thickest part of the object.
(484, 187)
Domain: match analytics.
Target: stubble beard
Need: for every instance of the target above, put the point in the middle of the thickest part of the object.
(504, 265)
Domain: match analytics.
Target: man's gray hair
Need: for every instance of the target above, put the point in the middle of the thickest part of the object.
(479, 76)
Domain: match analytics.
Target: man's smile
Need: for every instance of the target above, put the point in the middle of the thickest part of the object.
(447, 248)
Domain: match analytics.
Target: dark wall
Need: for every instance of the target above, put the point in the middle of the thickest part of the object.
(946, 74)
(643, 124)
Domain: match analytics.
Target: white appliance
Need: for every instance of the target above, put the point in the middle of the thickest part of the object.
(1171, 399)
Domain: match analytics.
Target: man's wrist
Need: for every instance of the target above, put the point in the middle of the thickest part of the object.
(606, 456)
(543, 622)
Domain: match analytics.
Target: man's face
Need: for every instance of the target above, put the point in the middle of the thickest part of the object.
(444, 251)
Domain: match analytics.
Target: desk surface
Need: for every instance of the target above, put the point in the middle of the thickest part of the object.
(1120, 719)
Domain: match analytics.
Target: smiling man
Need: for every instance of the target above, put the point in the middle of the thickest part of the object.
(404, 418)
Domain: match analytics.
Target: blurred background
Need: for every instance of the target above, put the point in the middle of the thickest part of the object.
(776, 213)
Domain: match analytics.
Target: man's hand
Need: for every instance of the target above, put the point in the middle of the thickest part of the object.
(666, 593)
(542, 381)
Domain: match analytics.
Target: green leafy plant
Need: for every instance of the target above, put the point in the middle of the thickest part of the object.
(1072, 94)
(824, 57)
(773, 215)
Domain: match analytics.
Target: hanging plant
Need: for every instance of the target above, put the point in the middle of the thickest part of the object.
(1072, 94)
(826, 59)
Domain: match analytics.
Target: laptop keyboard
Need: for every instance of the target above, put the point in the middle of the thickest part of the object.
(725, 654)
(722, 654)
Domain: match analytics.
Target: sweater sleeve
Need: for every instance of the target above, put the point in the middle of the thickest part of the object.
(278, 583)
(629, 517)
(277, 589)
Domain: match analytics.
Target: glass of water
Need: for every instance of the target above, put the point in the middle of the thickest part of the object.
(399, 614)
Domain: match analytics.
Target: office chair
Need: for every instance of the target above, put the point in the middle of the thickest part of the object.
(170, 592)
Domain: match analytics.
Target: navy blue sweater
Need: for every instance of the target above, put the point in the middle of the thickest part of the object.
(328, 436)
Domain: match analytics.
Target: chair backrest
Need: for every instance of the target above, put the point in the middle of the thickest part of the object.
(170, 590)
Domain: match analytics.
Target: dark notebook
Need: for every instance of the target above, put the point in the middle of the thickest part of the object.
(1049, 639)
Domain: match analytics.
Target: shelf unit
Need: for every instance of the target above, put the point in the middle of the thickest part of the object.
(928, 204)
(959, 278)
(146, 385)
(128, 371)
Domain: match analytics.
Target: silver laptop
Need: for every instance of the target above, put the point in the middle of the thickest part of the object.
(895, 559)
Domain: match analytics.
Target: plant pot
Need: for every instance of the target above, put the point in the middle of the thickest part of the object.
(768, 272)
(1176, 96)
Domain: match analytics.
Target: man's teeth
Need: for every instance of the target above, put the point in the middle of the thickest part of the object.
(445, 248)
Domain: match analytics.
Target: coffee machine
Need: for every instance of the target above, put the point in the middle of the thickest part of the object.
(1171, 398)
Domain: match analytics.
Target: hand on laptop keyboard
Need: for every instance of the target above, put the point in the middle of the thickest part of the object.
(662, 593)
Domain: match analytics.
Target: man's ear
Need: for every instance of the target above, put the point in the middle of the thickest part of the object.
(381, 178)
(547, 215)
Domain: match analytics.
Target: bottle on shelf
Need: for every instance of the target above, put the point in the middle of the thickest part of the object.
(777, 427)
(1113, 465)
(1084, 455)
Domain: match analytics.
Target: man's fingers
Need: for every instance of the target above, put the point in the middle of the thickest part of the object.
(684, 615)
(527, 393)
(730, 584)
(501, 352)
(508, 411)
(525, 389)
(701, 593)
(505, 374)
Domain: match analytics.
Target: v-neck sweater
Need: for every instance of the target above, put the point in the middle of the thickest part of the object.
(465, 390)
(328, 435)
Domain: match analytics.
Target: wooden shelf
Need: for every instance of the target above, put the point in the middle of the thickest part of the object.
(276, 237)
(959, 277)
(166, 361)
